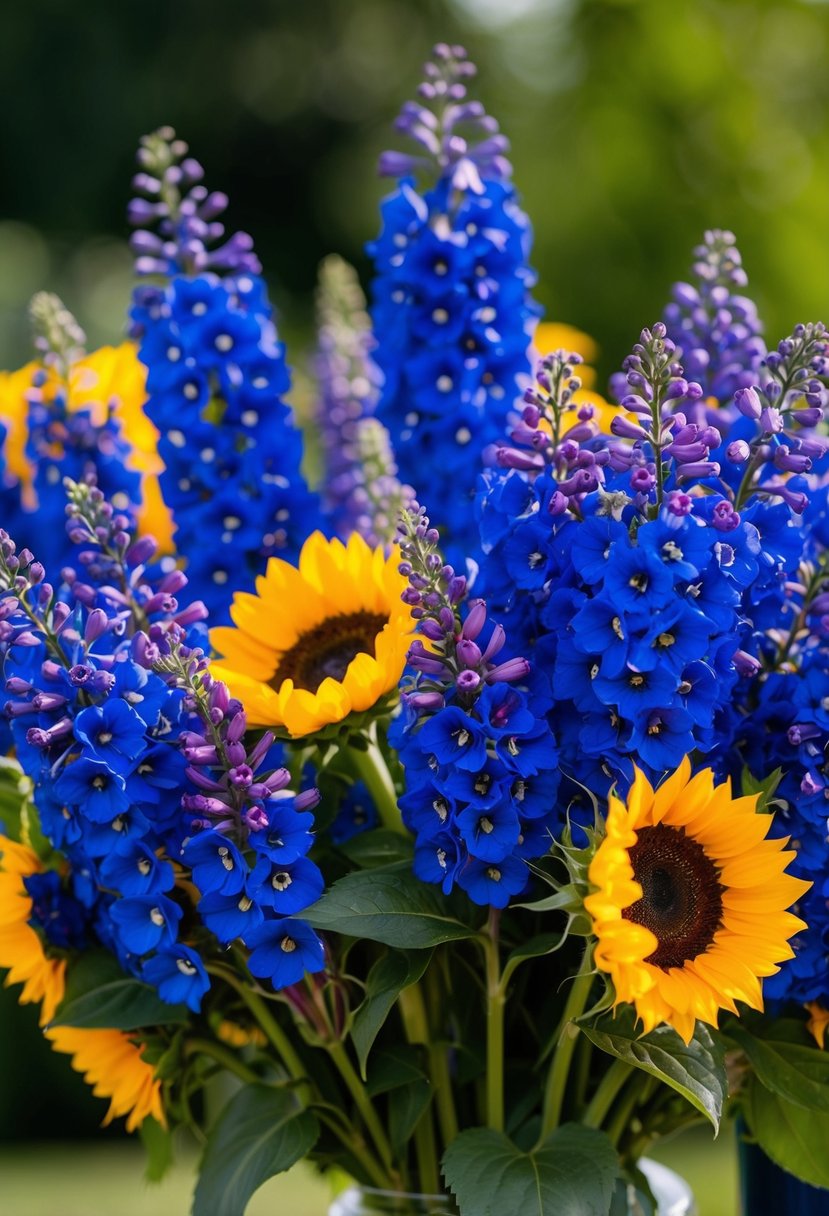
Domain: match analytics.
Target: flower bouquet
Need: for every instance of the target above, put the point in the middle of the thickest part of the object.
(463, 848)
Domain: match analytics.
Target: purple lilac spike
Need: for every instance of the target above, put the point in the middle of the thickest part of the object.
(456, 138)
(176, 217)
(715, 327)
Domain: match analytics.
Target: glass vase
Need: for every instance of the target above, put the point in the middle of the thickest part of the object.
(766, 1190)
(672, 1193)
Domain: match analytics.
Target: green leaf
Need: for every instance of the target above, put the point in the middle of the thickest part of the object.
(378, 847)
(567, 897)
(797, 1073)
(390, 906)
(534, 947)
(792, 1136)
(392, 1067)
(407, 1104)
(158, 1145)
(261, 1132)
(386, 980)
(765, 788)
(573, 1173)
(122, 1004)
(697, 1071)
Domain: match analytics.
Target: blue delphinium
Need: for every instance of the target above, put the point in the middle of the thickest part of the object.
(452, 309)
(138, 760)
(62, 441)
(481, 763)
(216, 380)
(631, 568)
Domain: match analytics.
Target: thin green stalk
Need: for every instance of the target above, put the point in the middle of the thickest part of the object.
(416, 1025)
(224, 1057)
(273, 1031)
(495, 1001)
(371, 767)
(604, 1097)
(630, 1098)
(362, 1101)
(559, 1072)
(359, 1150)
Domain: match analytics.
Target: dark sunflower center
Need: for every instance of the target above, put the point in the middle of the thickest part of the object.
(327, 649)
(681, 900)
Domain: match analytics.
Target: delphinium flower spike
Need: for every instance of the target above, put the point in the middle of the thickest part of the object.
(361, 491)
(784, 408)
(216, 381)
(65, 430)
(713, 324)
(452, 308)
(481, 764)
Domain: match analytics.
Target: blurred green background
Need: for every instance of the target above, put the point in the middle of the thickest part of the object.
(635, 125)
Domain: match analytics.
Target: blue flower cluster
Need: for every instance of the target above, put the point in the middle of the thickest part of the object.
(216, 381)
(481, 763)
(632, 583)
(62, 442)
(452, 308)
(106, 726)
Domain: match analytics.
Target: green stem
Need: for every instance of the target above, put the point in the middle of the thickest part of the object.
(604, 1097)
(559, 1072)
(224, 1057)
(416, 1024)
(373, 770)
(362, 1101)
(496, 999)
(631, 1097)
(357, 1147)
(273, 1031)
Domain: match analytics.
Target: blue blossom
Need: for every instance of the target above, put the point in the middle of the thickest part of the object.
(179, 975)
(284, 950)
(145, 922)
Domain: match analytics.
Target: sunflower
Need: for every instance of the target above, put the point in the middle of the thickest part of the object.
(113, 377)
(21, 950)
(689, 910)
(318, 641)
(113, 1064)
(818, 1021)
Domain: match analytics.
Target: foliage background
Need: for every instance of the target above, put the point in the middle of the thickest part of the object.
(635, 124)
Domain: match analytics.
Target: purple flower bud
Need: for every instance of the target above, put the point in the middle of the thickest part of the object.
(698, 470)
(748, 402)
(17, 687)
(625, 429)
(746, 664)
(771, 420)
(738, 451)
(513, 669)
(788, 461)
(307, 800)
(469, 654)
(475, 620)
(428, 702)
(97, 624)
(642, 480)
(678, 503)
(468, 681)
